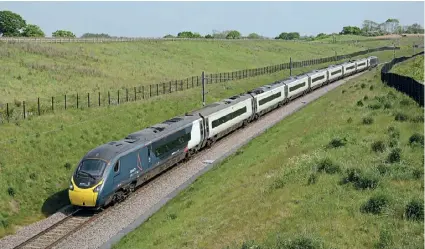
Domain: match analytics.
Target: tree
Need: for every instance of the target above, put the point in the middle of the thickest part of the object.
(254, 36)
(369, 26)
(93, 35)
(63, 33)
(11, 23)
(288, 36)
(169, 36)
(415, 29)
(32, 30)
(350, 30)
(234, 34)
(209, 36)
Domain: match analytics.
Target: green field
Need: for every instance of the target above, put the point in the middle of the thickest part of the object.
(37, 156)
(32, 70)
(413, 68)
(340, 180)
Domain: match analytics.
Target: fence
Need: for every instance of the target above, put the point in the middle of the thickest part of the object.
(39, 106)
(107, 40)
(402, 83)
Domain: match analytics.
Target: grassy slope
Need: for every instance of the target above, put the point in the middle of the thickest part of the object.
(261, 193)
(34, 150)
(45, 70)
(413, 68)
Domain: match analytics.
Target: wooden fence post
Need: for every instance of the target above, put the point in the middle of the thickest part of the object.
(118, 97)
(65, 101)
(52, 105)
(24, 108)
(38, 106)
(7, 111)
(109, 98)
(135, 94)
(88, 100)
(77, 100)
(99, 99)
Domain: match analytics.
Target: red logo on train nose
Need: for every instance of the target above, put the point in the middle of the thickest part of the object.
(186, 149)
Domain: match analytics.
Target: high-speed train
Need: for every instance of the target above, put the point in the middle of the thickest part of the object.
(108, 173)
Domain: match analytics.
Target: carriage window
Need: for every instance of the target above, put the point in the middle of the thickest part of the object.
(117, 166)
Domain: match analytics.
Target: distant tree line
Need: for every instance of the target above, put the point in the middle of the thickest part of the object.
(13, 25)
(390, 26)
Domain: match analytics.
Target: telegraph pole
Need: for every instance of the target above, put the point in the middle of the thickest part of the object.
(290, 66)
(203, 88)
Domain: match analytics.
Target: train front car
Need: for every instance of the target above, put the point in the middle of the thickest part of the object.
(88, 180)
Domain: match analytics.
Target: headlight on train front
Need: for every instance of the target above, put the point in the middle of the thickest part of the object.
(97, 188)
(71, 187)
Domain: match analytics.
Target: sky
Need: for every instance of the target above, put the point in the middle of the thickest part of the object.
(156, 19)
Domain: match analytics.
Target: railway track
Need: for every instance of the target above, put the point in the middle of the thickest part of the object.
(59, 231)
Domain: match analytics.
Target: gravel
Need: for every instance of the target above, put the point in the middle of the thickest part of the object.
(125, 217)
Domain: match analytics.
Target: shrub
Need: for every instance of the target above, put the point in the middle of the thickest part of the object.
(326, 165)
(359, 103)
(171, 216)
(416, 138)
(249, 245)
(391, 95)
(417, 119)
(336, 142)
(415, 210)
(366, 182)
(393, 142)
(33, 176)
(367, 120)
(394, 156)
(375, 204)
(353, 175)
(363, 85)
(343, 91)
(365, 97)
(393, 132)
(349, 120)
(405, 102)
(378, 146)
(312, 179)
(299, 243)
(383, 169)
(374, 106)
(67, 165)
(371, 88)
(400, 117)
(385, 240)
(387, 105)
(417, 173)
(11, 191)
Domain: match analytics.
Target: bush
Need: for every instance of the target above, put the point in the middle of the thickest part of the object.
(391, 95)
(387, 105)
(401, 117)
(367, 120)
(393, 132)
(365, 97)
(415, 210)
(359, 103)
(393, 143)
(363, 85)
(375, 205)
(326, 165)
(374, 106)
(371, 88)
(366, 182)
(385, 240)
(353, 175)
(417, 119)
(394, 156)
(343, 91)
(336, 142)
(417, 173)
(405, 102)
(416, 138)
(312, 179)
(67, 165)
(349, 120)
(33, 176)
(378, 146)
(249, 245)
(11, 191)
(383, 169)
(299, 243)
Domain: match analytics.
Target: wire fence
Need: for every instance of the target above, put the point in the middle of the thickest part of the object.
(110, 40)
(10, 112)
(403, 83)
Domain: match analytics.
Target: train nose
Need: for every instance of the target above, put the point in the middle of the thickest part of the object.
(83, 197)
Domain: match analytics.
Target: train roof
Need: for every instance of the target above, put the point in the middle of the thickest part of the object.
(265, 88)
(217, 106)
(295, 78)
(109, 150)
(312, 72)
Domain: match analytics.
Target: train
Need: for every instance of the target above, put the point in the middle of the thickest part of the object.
(110, 172)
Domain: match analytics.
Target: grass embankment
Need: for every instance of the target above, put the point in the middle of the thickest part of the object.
(45, 70)
(340, 174)
(37, 156)
(413, 68)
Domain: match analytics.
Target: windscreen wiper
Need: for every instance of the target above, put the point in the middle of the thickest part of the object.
(87, 173)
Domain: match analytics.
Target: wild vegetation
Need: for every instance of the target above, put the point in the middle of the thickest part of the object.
(413, 68)
(346, 183)
(54, 143)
